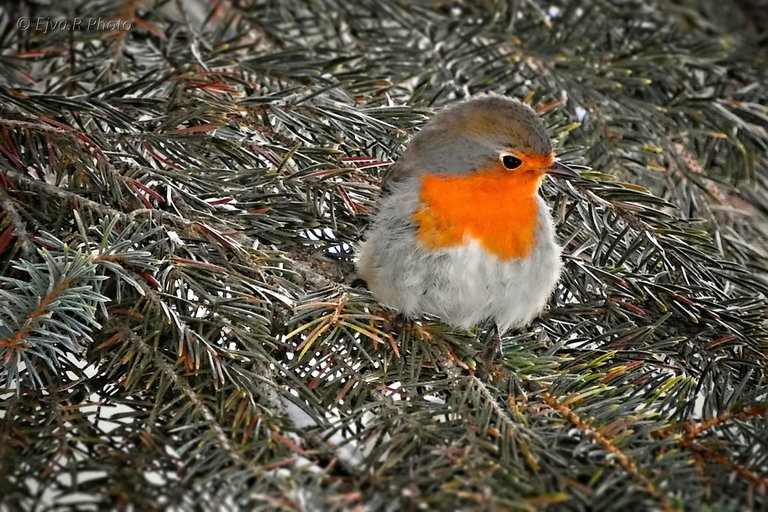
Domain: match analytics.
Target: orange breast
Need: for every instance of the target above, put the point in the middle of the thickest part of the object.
(496, 207)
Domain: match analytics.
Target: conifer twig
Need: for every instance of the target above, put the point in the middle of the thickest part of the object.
(20, 227)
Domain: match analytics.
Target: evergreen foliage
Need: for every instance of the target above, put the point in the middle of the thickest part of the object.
(181, 199)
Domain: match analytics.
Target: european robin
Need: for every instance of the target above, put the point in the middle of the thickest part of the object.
(461, 231)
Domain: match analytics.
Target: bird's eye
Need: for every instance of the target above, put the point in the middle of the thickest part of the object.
(511, 162)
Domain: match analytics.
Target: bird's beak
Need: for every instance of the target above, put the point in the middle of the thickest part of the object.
(561, 171)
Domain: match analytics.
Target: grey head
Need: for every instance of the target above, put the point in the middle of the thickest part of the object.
(472, 135)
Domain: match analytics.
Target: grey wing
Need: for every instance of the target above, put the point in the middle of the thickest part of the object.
(390, 258)
(394, 174)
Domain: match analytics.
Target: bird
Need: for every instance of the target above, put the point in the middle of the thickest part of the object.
(460, 231)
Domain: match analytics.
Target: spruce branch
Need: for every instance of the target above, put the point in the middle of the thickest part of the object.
(606, 442)
(49, 315)
(221, 437)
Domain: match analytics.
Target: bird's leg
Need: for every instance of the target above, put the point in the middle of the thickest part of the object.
(398, 323)
(394, 321)
(487, 355)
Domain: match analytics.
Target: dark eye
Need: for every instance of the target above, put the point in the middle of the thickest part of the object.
(511, 162)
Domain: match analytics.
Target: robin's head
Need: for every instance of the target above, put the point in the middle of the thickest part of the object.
(488, 133)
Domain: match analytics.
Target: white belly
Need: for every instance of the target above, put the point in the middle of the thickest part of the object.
(477, 286)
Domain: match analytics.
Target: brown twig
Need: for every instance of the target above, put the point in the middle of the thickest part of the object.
(703, 453)
(692, 430)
